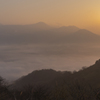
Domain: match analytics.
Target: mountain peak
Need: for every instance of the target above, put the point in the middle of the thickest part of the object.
(85, 32)
(40, 26)
(41, 23)
(68, 29)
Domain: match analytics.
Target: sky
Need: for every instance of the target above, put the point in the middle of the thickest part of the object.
(80, 13)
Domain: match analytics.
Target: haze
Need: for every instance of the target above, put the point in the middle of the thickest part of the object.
(48, 34)
(83, 14)
(24, 48)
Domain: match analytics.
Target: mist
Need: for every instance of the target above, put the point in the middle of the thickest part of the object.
(25, 48)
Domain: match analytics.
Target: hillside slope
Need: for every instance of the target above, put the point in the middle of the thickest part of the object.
(90, 75)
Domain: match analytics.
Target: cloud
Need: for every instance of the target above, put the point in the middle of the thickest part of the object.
(16, 61)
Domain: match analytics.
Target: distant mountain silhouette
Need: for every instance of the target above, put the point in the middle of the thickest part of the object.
(84, 35)
(40, 26)
(42, 77)
(24, 28)
(66, 29)
(43, 33)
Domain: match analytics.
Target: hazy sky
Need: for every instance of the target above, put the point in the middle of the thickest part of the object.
(81, 13)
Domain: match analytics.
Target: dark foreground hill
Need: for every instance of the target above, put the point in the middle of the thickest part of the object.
(38, 77)
(90, 75)
(54, 85)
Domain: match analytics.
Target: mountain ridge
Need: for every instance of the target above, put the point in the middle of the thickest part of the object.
(47, 76)
(45, 34)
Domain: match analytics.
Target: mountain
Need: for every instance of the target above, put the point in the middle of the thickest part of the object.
(83, 36)
(42, 33)
(66, 29)
(39, 26)
(38, 77)
(24, 28)
(89, 75)
(42, 25)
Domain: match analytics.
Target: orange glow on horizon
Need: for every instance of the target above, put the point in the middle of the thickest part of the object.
(83, 14)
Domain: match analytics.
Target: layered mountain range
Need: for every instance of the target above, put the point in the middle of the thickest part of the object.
(43, 33)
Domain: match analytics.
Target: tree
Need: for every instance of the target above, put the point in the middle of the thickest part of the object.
(4, 92)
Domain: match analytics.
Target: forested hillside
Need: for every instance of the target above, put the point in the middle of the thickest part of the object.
(49, 84)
